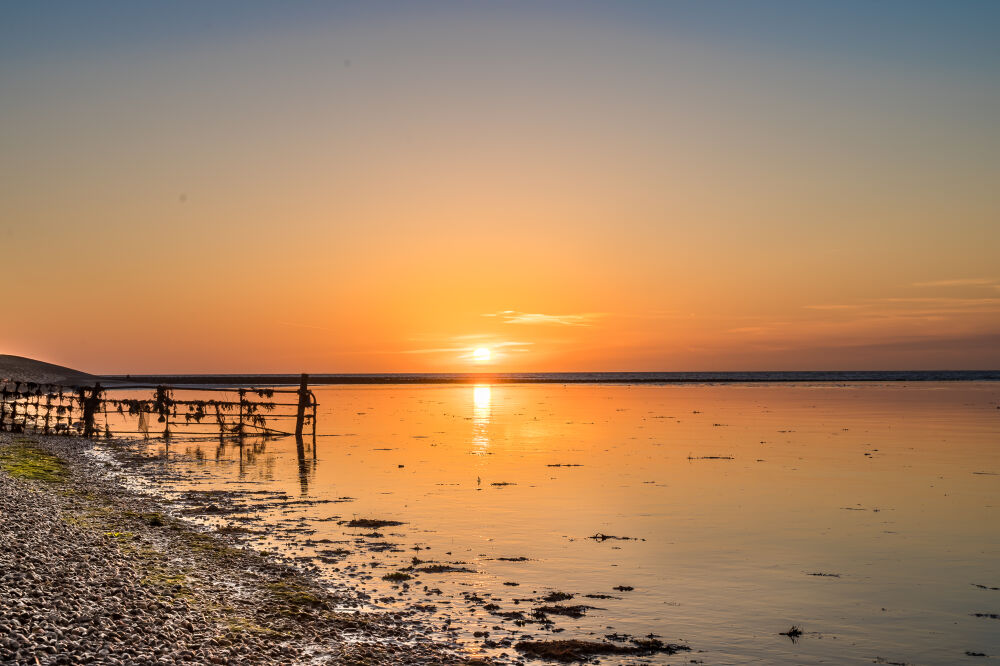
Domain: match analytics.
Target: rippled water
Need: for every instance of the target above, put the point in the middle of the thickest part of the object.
(733, 498)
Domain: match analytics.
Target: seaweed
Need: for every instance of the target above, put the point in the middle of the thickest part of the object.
(578, 650)
(371, 523)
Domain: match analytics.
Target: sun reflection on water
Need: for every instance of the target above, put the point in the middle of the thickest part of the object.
(481, 409)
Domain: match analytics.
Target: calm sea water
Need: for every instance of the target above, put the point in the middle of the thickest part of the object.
(582, 377)
(732, 498)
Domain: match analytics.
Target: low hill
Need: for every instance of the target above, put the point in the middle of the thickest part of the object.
(21, 369)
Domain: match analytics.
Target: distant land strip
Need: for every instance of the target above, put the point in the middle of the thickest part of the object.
(559, 378)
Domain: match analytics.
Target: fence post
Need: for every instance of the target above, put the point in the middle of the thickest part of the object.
(89, 407)
(300, 416)
(48, 409)
(314, 425)
(239, 428)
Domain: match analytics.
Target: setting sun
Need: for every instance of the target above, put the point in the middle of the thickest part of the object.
(481, 354)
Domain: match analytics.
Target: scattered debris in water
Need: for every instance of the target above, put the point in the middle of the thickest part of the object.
(397, 577)
(984, 587)
(600, 536)
(825, 575)
(623, 588)
(444, 568)
(569, 611)
(370, 523)
(793, 633)
(577, 650)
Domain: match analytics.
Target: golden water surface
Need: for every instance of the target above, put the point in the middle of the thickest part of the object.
(733, 499)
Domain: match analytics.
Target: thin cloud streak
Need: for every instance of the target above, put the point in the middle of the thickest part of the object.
(960, 282)
(453, 350)
(515, 317)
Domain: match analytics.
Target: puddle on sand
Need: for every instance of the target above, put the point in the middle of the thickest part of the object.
(716, 516)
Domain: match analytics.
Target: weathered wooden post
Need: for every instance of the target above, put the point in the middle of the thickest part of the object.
(221, 421)
(300, 415)
(89, 407)
(314, 427)
(48, 409)
(239, 428)
(3, 407)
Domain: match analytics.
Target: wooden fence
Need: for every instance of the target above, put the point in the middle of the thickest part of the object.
(89, 411)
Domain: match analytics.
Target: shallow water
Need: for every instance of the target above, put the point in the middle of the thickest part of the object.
(731, 496)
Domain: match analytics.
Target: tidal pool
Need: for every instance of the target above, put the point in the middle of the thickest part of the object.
(865, 514)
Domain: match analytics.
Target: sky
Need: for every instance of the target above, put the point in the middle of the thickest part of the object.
(572, 186)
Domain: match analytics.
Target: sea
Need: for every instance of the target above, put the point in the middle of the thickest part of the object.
(712, 510)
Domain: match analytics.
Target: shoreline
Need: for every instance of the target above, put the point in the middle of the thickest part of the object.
(95, 573)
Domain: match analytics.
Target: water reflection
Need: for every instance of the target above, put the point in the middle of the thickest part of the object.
(886, 496)
(300, 451)
(481, 418)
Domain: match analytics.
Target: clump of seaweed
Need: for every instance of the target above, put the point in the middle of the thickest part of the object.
(578, 650)
(444, 568)
(600, 536)
(569, 611)
(371, 523)
(397, 577)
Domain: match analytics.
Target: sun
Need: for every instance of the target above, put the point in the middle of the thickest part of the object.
(481, 354)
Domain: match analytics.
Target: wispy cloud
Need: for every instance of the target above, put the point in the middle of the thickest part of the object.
(945, 301)
(515, 317)
(960, 282)
(495, 346)
(873, 307)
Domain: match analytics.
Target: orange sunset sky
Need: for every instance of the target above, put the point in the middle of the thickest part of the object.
(386, 187)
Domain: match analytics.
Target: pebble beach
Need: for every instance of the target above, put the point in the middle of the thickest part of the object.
(93, 573)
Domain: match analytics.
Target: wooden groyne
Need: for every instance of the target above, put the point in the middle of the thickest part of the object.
(157, 411)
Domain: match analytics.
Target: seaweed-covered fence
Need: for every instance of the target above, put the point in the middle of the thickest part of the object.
(91, 410)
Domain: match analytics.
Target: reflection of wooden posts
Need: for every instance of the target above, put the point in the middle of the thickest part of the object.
(300, 451)
(300, 415)
(90, 404)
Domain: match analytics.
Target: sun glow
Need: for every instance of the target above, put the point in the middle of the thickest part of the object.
(482, 354)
